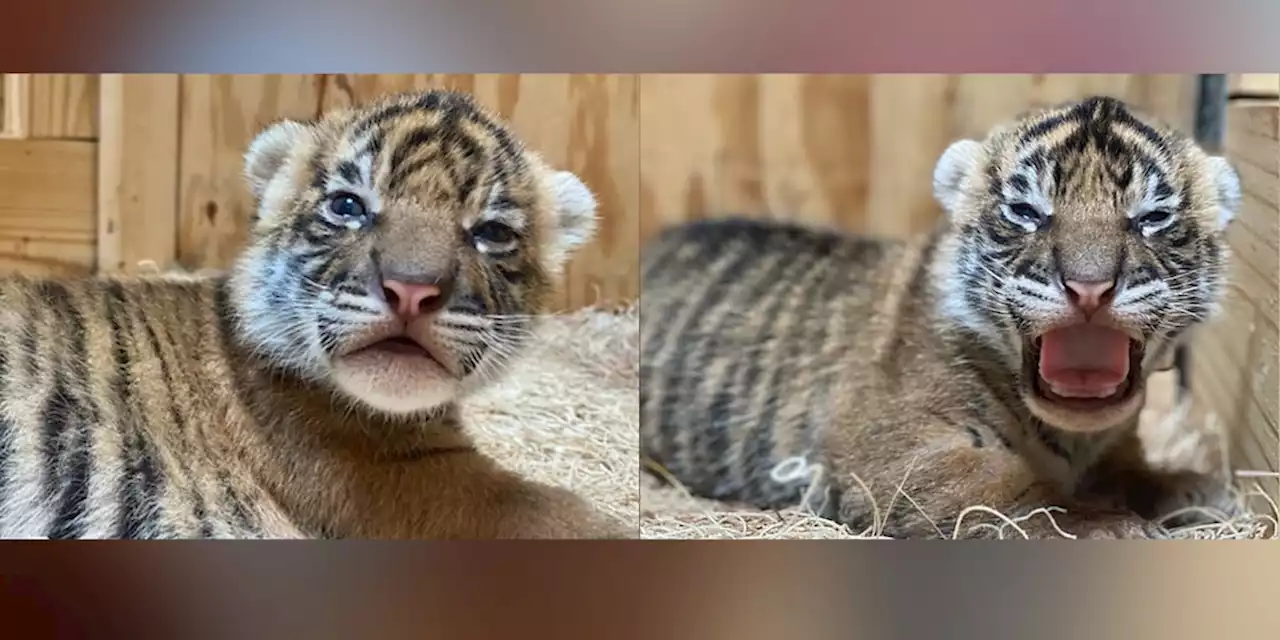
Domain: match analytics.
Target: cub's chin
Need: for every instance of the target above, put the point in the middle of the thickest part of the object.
(396, 375)
(1086, 391)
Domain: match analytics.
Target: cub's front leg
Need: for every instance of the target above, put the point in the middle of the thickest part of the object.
(922, 476)
(484, 501)
(1126, 476)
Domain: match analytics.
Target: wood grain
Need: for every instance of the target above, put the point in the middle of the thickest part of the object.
(47, 215)
(851, 151)
(1236, 359)
(137, 179)
(51, 105)
(585, 123)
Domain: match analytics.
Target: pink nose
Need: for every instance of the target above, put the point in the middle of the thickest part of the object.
(412, 299)
(1090, 296)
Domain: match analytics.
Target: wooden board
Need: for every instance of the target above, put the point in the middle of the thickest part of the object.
(1263, 83)
(852, 151)
(1235, 358)
(50, 105)
(585, 123)
(137, 176)
(47, 214)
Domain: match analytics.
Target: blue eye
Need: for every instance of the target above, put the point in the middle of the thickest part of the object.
(346, 205)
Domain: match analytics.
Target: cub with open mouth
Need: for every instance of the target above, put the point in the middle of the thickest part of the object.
(999, 361)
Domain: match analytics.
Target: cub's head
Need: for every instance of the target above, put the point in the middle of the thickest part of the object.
(400, 251)
(1084, 240)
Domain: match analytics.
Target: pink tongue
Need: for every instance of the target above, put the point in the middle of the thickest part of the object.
(1084, 360)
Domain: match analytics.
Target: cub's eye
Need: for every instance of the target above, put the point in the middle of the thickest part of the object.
(494, 235)
(1153, 221)
(1024, 215)
(346, 205)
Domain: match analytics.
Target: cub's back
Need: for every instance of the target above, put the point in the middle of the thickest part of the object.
(743, 324)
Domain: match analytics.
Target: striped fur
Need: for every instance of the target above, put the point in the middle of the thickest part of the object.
(246, 404)
(784, 364)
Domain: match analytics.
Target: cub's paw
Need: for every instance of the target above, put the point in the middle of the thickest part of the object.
(1095, 525)
(1182, 499)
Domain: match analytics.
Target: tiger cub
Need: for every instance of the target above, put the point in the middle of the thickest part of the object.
(998, 361)
(397, 258)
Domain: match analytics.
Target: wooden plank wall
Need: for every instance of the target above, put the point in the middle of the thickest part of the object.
(585, 123)
(1236, 363)
(852, 151)
(47, 173)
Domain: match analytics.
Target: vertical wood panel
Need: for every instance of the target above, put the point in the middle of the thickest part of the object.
(851, 151)
(137, 176)
(50, 105)
(63, 105)
(584, 123)
(220, 116)
(1236, 357)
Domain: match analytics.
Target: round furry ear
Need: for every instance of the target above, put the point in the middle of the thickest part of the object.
(1227, 182)
(948, 175)
(575, 214)
(269, 151)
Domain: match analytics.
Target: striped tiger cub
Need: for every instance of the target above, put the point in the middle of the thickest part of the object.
(998, 361)
(397, 258)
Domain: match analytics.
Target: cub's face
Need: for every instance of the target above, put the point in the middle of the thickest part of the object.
(1084, 242)
(401, 251)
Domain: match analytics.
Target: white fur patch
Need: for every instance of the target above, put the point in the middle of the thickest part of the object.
(575, 222)
(952, 171)
(269, 151)
(1228, 184)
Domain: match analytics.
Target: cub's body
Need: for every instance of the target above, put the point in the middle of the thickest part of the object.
(998, 361)
(123, 415)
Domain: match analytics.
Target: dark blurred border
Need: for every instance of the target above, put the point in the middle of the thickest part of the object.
(735, 590)
(643, 590)
(469, 36)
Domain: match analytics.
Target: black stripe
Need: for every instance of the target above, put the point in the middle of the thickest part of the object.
(71, 413)
(975, 436)
(180, 424)
(668, 424)
(131, 520)
(1020, 184)
(1045, 126)
(413, 141)
(759, 443)
(711, 439)
(349, 171)
(402, 173)
(319, 173)
(8, 430)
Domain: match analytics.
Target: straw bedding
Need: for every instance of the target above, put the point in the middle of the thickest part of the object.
(569, 415)
(1178, 437)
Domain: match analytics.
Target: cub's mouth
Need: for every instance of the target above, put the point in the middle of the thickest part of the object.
(402, 345)
(1083, 367)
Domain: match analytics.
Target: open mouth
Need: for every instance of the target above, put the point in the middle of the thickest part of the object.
(1083, 367)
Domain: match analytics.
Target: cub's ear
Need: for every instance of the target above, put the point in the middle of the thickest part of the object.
(1227, 183)
(269, 151)
(953, 167)
(575, 215)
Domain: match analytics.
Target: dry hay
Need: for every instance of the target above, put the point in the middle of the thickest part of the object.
(568, 413)
(1177, 440)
